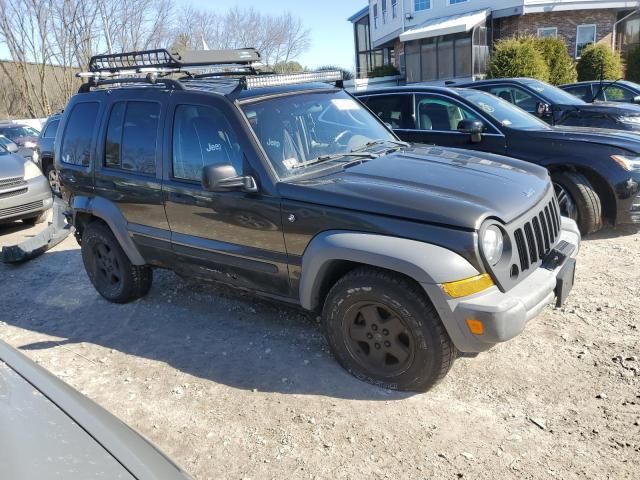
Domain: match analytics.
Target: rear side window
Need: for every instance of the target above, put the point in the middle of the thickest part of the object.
(583, 92)
(132, 136)
(394, 110)
(52, 128)
(78, 134)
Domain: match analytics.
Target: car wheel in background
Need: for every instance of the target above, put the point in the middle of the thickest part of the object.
(54, 180)
(383, 330)
(109, 268)
(578, 200)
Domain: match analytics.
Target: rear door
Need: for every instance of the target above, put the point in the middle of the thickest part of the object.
(231, 236)
(129, 168)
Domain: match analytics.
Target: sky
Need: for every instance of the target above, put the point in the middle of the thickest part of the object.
(331, 33)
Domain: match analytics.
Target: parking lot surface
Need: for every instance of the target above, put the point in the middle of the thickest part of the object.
(233, 387)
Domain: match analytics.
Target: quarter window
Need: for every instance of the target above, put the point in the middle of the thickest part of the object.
(52, 128)
(202, 136)
(132, 137)
(422, 5)
(76, 146)
(585, 36)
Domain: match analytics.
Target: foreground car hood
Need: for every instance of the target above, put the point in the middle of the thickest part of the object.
(614, 138)
(430, 184)
(11, 165)
(604, 107)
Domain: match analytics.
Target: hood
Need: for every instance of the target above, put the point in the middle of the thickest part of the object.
(438, 185)
(11, 165)
(603, 107)
(613, 138)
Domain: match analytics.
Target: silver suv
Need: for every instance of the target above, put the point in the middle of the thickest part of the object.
(24, 192)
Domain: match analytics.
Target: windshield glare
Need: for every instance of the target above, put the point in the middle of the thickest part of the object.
(503, 112)
(553, 95)
(300, 128)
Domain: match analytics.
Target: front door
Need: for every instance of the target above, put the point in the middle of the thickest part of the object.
(230, 236)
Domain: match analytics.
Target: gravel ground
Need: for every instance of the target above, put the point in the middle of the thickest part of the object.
(234, 387)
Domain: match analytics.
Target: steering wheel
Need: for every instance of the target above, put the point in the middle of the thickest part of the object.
(341, 136)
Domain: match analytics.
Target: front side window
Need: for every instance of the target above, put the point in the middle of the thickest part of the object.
(585, 36)
(548, 32)
(516, 96)
(394, 110)
(203, 136)
(422, 5)
(132, 136)
(78, 134)
(51, 130)
(616, 93)
(439, 114)
(305, 131)
(502, 111)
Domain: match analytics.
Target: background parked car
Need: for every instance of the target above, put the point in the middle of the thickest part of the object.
(24, 192)
(44, 149)
(49, 430)
(557, 107)
(622, 91)
(596, 173)
(24, 136)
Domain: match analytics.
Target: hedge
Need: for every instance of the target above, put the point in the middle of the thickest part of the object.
(518, 57)
(599, 61)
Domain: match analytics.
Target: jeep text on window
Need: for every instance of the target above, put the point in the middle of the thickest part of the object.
(422, 5)
(202, 136)
(585, 36)
(79, 131)
(132, 137)
(548, 32)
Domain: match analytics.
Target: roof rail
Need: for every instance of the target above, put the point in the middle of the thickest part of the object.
(162, 59)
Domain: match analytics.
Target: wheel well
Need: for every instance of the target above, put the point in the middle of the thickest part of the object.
(82, 219)
(599, 184)
(45, 162)
(337, 269)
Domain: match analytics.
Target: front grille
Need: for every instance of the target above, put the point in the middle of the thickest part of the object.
(10, 181)
(13, 193)
(538, 235)
(17, 210)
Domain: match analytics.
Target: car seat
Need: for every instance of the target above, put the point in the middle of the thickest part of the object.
(434, 117)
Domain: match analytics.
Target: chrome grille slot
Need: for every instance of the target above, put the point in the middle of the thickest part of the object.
(10, 182)
(13, 193)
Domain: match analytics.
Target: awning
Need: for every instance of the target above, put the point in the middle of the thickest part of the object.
(446, 25)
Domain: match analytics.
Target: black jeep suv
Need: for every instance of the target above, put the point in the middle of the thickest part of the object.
(293, 190)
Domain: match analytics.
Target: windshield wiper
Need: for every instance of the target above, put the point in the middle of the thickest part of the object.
(328, 158)
(379, 142)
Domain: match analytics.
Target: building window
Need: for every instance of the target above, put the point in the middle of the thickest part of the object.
(394, 8)
(548, 32)
(384, 11)
(375, 15)
(585, 36)
(455, 2)
(422, 5)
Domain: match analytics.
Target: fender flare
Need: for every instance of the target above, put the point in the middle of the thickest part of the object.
(111, 215)
(424, 262)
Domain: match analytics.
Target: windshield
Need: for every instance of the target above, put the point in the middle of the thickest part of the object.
(14, 133)
(502, 111)
(552, 94)
(298, 131)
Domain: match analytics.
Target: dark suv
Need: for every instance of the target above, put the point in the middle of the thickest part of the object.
(44, 148)
(294, 191)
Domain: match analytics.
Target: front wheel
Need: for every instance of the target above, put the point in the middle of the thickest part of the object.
(578, 200)
(383, 330)
(54, 180)
(109, 268)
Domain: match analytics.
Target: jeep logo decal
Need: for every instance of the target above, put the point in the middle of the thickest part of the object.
(214, 147)
(273, 143)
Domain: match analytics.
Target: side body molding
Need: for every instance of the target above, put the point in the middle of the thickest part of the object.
(109, 212)
(421, 261)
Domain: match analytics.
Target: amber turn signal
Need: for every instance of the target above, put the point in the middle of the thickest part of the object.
(468, 286)
(475, 326)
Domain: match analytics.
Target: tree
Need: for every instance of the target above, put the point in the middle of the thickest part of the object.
(554, 51)
(599, 62)
(517, 57)
(346, 74)
(288, 67)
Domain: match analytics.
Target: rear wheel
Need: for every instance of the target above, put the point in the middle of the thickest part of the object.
(109, 268)
(383, 330)
(54, 180)
(578, 200)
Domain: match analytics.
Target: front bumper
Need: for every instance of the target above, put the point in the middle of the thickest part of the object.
(503, 314)
(19, 203)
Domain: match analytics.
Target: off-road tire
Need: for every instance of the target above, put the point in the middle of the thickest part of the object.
(104, 260)
(40, 218)
(433, 352)
(587, 202)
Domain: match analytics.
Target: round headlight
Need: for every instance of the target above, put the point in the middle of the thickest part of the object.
(492, 244)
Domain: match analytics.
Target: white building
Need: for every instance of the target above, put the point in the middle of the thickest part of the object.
(439, 40)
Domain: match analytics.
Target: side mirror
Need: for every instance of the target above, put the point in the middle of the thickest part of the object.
(473, 127)
(543, 109)
(636, 99)
(223, 176)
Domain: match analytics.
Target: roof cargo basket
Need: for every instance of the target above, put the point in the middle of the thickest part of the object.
(163, 59)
